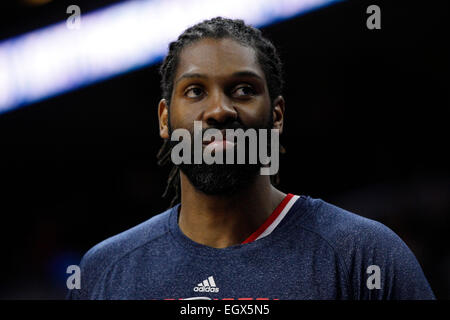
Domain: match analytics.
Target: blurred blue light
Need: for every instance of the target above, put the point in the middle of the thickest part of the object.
(114, 40)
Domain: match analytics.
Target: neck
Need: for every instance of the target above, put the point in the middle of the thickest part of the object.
(221, 221)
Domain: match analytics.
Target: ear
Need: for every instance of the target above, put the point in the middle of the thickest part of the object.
(163, 116)
(278, 113)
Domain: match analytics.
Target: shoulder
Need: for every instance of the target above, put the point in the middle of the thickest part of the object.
(97, 260)
(361, 243)
(126, 241)
(335, 225)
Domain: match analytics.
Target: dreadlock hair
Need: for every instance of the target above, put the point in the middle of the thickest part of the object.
(217, 28)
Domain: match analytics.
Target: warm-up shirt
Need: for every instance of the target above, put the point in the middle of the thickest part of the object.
(307, 249)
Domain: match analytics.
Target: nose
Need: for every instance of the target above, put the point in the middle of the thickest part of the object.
(219, 110)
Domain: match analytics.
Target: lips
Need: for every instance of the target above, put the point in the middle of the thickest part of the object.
(219, 144)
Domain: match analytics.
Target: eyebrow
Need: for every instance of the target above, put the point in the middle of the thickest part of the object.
(189, 76)
(238, 74)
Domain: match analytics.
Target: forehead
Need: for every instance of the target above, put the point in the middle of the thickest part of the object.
(217, 58)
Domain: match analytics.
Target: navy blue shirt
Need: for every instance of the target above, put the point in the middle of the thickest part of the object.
(317, 251)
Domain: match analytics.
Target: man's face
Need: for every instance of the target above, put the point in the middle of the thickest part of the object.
(220, 83)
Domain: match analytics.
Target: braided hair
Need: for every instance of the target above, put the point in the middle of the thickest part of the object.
(217, 28)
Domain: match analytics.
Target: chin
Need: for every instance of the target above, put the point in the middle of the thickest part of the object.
(220, 179)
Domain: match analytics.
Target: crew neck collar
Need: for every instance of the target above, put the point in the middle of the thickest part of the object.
(294, 213)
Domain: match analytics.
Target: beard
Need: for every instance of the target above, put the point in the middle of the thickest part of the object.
(225, 179)
(220, 179)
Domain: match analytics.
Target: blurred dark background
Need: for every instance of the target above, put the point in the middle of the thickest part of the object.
(366, 129)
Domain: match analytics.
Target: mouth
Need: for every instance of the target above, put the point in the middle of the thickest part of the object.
(219, 144)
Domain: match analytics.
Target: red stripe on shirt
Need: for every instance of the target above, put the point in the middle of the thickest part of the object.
(270, 219)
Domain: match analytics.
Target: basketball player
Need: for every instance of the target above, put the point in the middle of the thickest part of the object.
(230, 234)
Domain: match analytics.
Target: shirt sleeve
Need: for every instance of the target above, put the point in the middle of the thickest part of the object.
(384, 268)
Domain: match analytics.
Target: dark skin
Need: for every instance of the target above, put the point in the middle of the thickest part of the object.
(218, 81)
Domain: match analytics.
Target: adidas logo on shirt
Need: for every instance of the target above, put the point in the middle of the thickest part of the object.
(207, 285)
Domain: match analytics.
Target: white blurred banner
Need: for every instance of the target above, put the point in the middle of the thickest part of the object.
(114, 40)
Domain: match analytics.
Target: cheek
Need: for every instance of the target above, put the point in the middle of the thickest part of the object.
(181, 117)
(256, 116)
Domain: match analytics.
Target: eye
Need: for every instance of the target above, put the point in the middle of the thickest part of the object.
(243, 91)
(193, 92)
